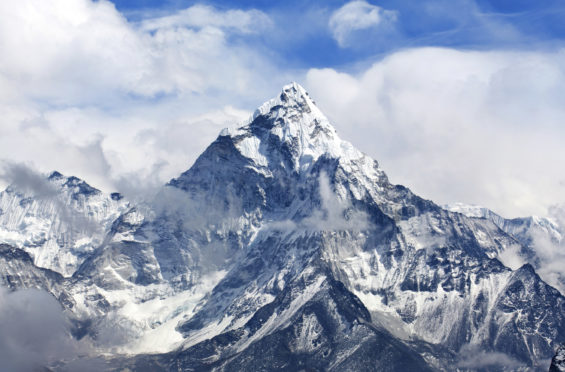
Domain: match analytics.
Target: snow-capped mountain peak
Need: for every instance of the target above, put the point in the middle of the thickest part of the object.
(290, 122)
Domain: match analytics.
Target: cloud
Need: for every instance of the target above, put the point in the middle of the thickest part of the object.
(478, 127)
(252, 21)
(80, 51)
(549, 245)
(35, 334)
(358, 15)
(334, 214)
(470, 356)
(24, 179)
(33, 331)
(83, 90)
(512, 258)
(557, 213)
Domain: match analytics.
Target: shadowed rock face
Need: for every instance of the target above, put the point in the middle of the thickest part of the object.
(558, 361)
(285, 248)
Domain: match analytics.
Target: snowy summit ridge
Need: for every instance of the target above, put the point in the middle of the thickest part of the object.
(299, 123)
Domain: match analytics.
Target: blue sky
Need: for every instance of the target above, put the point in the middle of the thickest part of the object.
(301, 38)
(460, 100)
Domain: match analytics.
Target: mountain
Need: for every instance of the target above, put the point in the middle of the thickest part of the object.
(285, 248)
(59, 222)
(541, 242)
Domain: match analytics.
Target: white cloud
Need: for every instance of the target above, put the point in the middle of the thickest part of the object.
(549, 245)
(333, 214)
(478, 127)
(252, 21)
(358, 15)
(82, 89)
(78, 51)
(511, 257)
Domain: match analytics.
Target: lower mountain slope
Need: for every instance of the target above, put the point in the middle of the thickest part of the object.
(313, 324)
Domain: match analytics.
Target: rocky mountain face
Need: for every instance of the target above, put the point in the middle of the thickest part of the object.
(558, 361)
(541, 239)
(285, 248)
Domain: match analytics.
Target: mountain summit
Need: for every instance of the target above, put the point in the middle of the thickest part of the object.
(285, 248)
(299, 127)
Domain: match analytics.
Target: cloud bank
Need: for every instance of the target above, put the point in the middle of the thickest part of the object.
(85, 91)
(477, 127)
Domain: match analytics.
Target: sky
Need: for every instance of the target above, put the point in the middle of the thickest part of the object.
(460, 100)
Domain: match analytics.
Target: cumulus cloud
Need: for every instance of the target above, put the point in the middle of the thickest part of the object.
(478, 127)
(358, 15)
(72, 51)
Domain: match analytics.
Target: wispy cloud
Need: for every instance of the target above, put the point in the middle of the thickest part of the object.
(334, 214)
(24, 179)
(200, 16)
(550, 248)
(471, 357)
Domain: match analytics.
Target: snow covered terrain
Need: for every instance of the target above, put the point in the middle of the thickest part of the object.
(541, 239)
(283, 247)
(60, 222)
